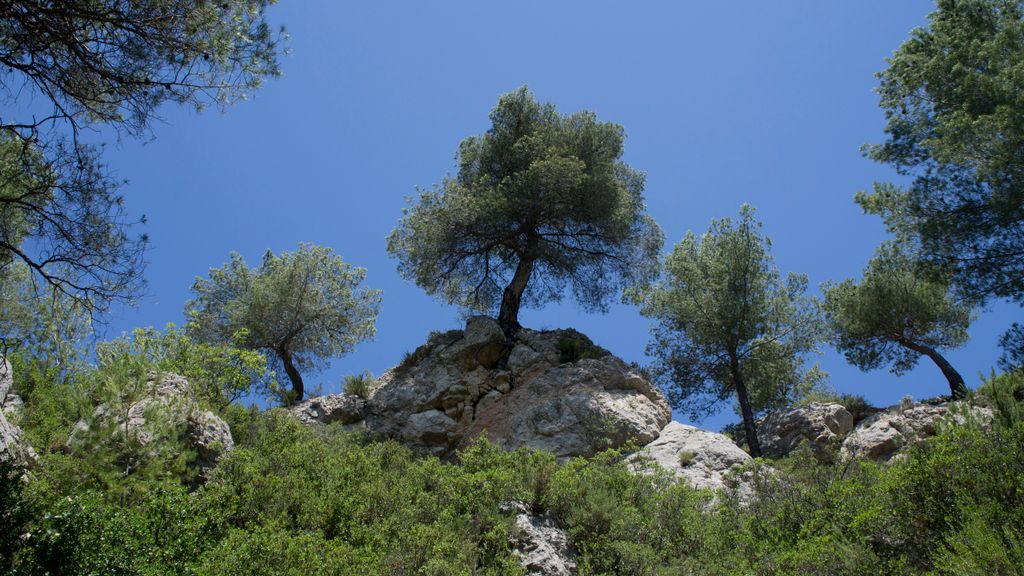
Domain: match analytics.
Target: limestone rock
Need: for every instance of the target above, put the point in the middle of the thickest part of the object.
(821, 425)
(343, 408)
(13, 447)
(575, 409)
(883, 435)
(172, 395)
(542, 546)
(699, 457)
(552, 390)
(8, 397)
(211, 437)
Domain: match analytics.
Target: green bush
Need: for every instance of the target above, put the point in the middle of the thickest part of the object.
(575, 348)
(360, 384)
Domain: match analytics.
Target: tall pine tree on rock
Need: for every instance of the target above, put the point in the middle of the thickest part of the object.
(542, 202)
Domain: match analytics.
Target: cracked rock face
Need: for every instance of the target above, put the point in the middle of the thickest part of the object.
(13, 447)
(344, 408)
(821, 425)
(552, 390)
(203, 431)
(542, 546)
(883, 435)
(698, 457)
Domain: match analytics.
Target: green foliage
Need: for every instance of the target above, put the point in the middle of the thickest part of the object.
(541, 201)
(360, 384)
(41, 325)
(219, 373)
(728, 324)
(300, 308)
(572, 349)
(981, 549)
(1012, 343)
(953, 97)
(894, 315)
(1006, 393)
(298, 500)
(16, 513)
(128, 441)
(95, 64)
(686, 457)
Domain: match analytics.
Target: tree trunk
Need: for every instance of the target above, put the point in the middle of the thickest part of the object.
(298, 388)
(508, 314)
(745, 410)
(957, 388)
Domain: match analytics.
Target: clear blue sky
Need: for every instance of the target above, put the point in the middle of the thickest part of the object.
(723, 103)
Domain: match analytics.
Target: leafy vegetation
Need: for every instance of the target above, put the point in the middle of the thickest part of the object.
(541, 201)
(295, 500)
(728, 325)
(300, 308)
(894, 316)
(68, 67)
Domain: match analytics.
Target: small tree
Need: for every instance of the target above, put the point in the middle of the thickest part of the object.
(894, 315)
(728, 325)
(300, 308)
(540, 201)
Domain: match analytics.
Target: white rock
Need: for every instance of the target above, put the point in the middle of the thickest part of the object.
(542, 546)
(172, 395)
(883, 435)
(13, 447)
(699, 457)
(821, 425)
(343, 408)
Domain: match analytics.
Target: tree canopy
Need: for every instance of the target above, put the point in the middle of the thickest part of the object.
(895, 315)
(953, 96)
(301, 308)
(728, 325)
(67, 66)
(541, 201)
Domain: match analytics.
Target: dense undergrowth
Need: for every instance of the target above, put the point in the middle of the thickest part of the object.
(296, 500)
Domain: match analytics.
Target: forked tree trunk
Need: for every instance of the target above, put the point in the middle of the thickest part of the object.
(745, 410)
(298, 388)
(957, 388)
(511, 298)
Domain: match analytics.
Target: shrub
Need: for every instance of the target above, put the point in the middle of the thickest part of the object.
(575, 348)
(360, 384)
(686, 457)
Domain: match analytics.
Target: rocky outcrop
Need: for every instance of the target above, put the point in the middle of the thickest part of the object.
(542, 546)
(699, 457)
(173, 397)
(883, 435)
(552, 390)
(13, 447)
(822, 426)
(343, 408)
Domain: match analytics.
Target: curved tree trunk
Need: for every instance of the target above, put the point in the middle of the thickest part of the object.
(511, 298)
(298, 388)
(957, 388)
(748, 413)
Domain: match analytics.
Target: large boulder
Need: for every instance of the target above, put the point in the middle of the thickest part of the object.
(346, 409)
(701, 458)
(552, 390)
(172, 397)
(540, 543)
(884, 435)
(821, 426)
(13, 447)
